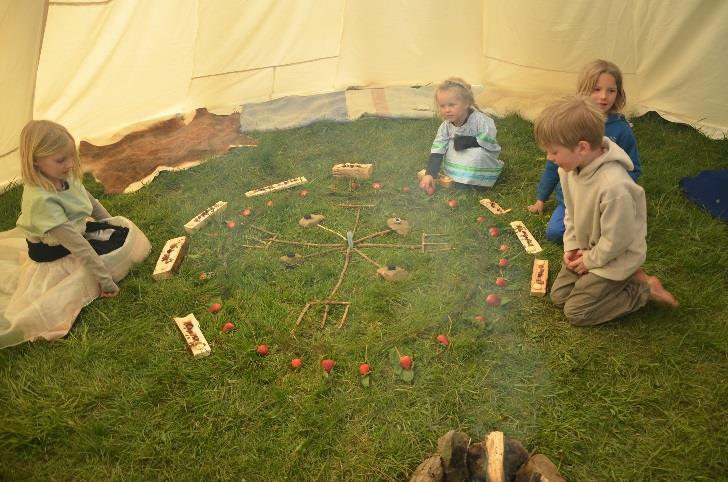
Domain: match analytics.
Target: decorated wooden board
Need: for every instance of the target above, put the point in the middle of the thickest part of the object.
(358, 171)
(289, 183)
(201, 219)
(494, 207)
(170, 258)
(190, 328)
(524, 236)
(539, 277)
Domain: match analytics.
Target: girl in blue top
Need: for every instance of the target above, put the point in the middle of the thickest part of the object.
(602, 81)
(56, 262)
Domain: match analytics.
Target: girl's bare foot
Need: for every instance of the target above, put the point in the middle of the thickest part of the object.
(659, 294)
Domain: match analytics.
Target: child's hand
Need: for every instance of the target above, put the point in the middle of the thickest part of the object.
(427, 184)
(574, 261)
(536, 207)
(569, 257)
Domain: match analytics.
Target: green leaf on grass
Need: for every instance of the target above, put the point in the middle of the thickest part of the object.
(364, 380)
(408, 375)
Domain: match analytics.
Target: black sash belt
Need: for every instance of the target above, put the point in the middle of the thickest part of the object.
(43, 253)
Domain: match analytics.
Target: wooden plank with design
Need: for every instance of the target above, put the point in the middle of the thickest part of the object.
(196, 342)
(288, 183)
(524, 236)
(170, 258)
(494, 207)
(539, 277)
(355, 170)
(201, 219)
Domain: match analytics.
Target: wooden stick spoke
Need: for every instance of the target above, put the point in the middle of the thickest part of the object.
(373, 235)
(319, 253)
(383, 245)
(343, 317)
(331, 231)
(367, 258)
(303, 312)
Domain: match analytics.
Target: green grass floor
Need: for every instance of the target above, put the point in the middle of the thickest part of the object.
(120, 399)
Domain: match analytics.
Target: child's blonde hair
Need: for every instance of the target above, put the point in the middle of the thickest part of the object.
(464, 90)
(590, 75)
(568, 121)
(43, 138)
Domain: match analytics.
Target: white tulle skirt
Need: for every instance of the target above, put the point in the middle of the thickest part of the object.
(40, 301)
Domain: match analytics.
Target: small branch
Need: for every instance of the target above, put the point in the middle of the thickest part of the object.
(373, 235)
(331, 231)
(367, 258)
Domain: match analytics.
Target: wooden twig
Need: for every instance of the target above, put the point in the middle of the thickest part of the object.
(303, 312)
(318, 253)
(356, 221)
(383, 245)
(343, 317)
(357, 205)
(262, 230)
(299, 243)
(343, 272)
(367, 258)
(373, 235)
(331, 231)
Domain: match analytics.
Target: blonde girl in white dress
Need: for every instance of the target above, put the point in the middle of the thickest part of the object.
(55, 261)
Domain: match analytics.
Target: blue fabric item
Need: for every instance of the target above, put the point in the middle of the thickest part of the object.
(555, 228)
(709, 190)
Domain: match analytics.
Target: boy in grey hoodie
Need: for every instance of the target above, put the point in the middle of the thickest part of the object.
(606, 218)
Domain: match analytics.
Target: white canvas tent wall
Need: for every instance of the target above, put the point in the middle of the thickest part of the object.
(99, 67)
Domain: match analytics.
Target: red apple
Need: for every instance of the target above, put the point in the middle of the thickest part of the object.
(503, 247)
(500, 281)
(229, 326)
(480, 318)
(354, 185)
(494, 231)
(376, 186)
(269, 203)
(246, 212)
(203, 276)
(430, 190)
(406, 189)
(327, 365)
(214, 308)
(443, 340)
(493, 299)
(296, 362)
(453, 203)
(303, 193)
(503, 262)
(364, 369)
(480, 219)
(405, 361)
(230, 224)
(262, 350)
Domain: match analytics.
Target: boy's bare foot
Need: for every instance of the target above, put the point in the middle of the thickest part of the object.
(641, 276)
(658, 293)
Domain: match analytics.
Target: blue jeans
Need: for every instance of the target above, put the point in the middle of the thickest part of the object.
(555, 228)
